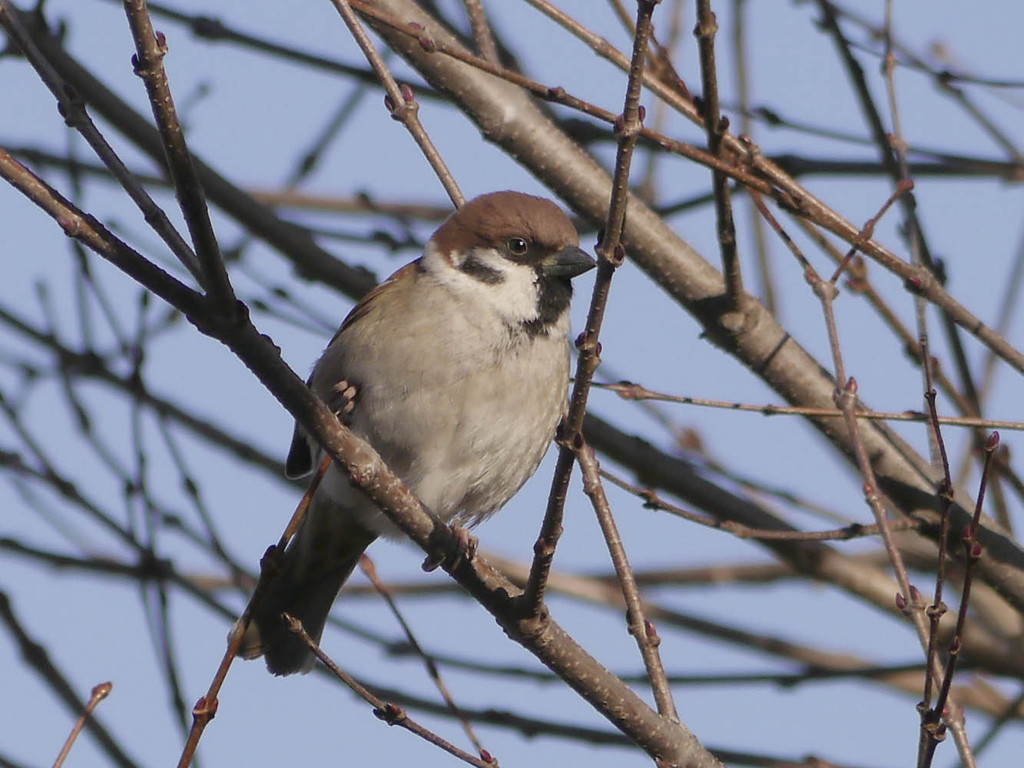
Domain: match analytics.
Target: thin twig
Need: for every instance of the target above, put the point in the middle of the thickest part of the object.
(903, 188)
(481, 30)
(151, 47)
(559, 95)
(294, 242)
(932, 719)
(88, 230)
(932, 729)
(652, 500)
(944, 78)
(629, 390)
(401, 103)
(38, 659)
(611, 254)
(858, 281)
(908, 599)
(388, 712)
(637, 622)
(845, 397)
(99, 693)
(206, 707)
(368, 568)
(795, 197)
(742, 74)
(715, 125)
(892, 150)
(70, 105)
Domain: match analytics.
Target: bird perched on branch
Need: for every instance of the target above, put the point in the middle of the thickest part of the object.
(456, 370)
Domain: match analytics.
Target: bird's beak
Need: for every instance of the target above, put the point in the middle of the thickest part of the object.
(568, 263)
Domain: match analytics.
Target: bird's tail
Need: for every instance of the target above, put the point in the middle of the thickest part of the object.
(319, 560)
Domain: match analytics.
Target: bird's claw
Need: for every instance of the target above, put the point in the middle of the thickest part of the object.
(465, 549)
(344, 400)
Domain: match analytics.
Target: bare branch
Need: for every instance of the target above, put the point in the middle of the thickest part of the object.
(151, 48)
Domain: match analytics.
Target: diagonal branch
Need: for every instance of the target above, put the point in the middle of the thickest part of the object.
(401, 102)
(70, 105)
(151, 48)
(662, 738)
(259, 219)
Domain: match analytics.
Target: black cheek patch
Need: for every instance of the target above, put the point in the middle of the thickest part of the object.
(475, 268)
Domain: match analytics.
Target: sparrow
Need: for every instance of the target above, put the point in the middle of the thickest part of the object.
(456, 370)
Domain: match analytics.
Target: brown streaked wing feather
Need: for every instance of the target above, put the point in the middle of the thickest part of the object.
(364, 304)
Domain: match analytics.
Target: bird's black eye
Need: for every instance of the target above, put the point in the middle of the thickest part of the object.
(517, 246)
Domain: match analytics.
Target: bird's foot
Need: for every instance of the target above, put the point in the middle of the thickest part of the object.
(343, 400)
(465, 549)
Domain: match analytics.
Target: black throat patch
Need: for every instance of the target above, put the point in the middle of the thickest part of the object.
(553, 297)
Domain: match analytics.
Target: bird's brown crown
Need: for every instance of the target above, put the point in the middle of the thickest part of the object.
(489, 220)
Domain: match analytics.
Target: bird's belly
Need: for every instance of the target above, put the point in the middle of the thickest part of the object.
(465, 444)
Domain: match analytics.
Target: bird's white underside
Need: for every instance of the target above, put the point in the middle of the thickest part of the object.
(479, 416)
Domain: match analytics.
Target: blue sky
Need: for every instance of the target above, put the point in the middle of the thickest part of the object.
(250, 119)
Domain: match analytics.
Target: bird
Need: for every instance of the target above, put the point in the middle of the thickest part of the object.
(456, 370)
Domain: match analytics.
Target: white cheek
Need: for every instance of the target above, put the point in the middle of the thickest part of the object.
(513, 300)
(516, 297)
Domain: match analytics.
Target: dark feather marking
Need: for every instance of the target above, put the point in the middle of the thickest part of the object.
(476, 268)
